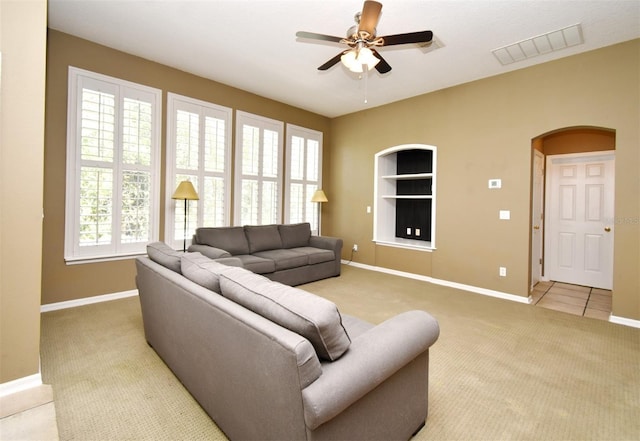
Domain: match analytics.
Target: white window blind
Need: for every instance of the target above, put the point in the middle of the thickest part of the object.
(113, 147)
(303, 175)
(259, 151)
(198, 150)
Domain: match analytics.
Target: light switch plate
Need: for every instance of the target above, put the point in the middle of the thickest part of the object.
(505, 214)
(495, 183)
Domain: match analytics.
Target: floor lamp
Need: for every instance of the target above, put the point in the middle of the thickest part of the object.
(319, 197)
(185, 191)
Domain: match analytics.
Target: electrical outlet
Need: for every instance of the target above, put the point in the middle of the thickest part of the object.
(355, 247)
(503, 271)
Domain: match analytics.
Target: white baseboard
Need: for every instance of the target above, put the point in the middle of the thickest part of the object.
(624, 321)
(478, 290)
(87, 301)
(487, 292)
(21, 384)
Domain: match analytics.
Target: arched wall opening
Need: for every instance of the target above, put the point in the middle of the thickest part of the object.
(571, 142)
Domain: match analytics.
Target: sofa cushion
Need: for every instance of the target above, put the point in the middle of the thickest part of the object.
(229, 261)
(262, 237)
(295, 235)
(230, 239)
(285, 259)
(316, 255)
(315, 318)
(166, 256)
(258, 265)
(202, 270)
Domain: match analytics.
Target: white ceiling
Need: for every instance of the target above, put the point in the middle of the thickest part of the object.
(251, 44)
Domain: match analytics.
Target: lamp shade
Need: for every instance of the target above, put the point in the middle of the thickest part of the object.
(319, 196)
(185, 191)
(355, 59)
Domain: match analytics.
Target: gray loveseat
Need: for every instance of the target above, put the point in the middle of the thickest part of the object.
(286, 253)
(268, 361)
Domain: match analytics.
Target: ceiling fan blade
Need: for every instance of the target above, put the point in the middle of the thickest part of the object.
(411, 37)
(314, 36)
(382, 66)
(369, 17)
(331, 62)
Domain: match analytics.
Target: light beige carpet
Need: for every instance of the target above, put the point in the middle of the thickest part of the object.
(499, 371)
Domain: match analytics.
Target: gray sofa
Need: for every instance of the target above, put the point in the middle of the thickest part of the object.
(268, 361)
(286, 253)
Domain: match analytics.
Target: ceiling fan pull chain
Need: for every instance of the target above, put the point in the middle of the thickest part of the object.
(365, 73)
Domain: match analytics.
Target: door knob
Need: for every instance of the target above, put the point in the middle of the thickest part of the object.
(607, 229)
(536, 227)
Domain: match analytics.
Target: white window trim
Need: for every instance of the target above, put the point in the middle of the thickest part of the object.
(176, 102)
(307, 134)
(262, 123)
(73, 253)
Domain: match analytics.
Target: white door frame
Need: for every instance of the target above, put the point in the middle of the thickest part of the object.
(600, 227)
(537, 217)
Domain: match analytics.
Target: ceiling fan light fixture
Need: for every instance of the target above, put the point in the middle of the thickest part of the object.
(355, 60)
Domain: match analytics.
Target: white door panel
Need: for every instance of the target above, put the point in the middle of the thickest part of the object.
(579, 240)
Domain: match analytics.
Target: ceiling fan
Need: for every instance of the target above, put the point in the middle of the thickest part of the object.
(362, 41)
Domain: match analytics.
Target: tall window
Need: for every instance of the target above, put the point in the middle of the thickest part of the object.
(198, 150)
(304, 175)
(113, 146)
(259, 149)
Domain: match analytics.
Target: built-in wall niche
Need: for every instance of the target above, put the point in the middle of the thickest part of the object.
(404, 208)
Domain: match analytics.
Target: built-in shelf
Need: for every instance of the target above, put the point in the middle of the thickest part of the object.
(411, 244)
(409, 176)
(405, 196)
(404, 187)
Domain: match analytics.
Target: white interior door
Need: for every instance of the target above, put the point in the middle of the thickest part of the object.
(579, 235)
(537, 204)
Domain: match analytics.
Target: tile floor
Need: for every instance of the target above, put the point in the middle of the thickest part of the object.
(29, 415)
(573, 299)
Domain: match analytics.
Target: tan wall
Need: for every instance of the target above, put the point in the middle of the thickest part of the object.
(23, 46)
(484, 130)
(62, 282)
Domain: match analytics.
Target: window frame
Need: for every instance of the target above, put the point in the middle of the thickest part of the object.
(176, 102)
(310, 209)
(262, 123)
(117, 249)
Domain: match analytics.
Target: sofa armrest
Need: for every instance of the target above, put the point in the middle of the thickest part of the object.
(372, 358)
(329, 243)
(326, 243)
(209, 251)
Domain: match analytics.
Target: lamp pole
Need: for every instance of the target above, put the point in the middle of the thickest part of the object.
(184, 236)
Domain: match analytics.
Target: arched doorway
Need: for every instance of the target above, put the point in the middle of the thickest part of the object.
(572, 190)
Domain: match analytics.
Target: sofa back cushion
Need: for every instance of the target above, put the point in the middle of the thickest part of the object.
(230, 239)
(202, 270)
(166, 256)
(263, 237)
(313, 317)
(295, 235)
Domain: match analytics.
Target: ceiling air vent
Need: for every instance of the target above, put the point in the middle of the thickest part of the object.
(542, 44)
